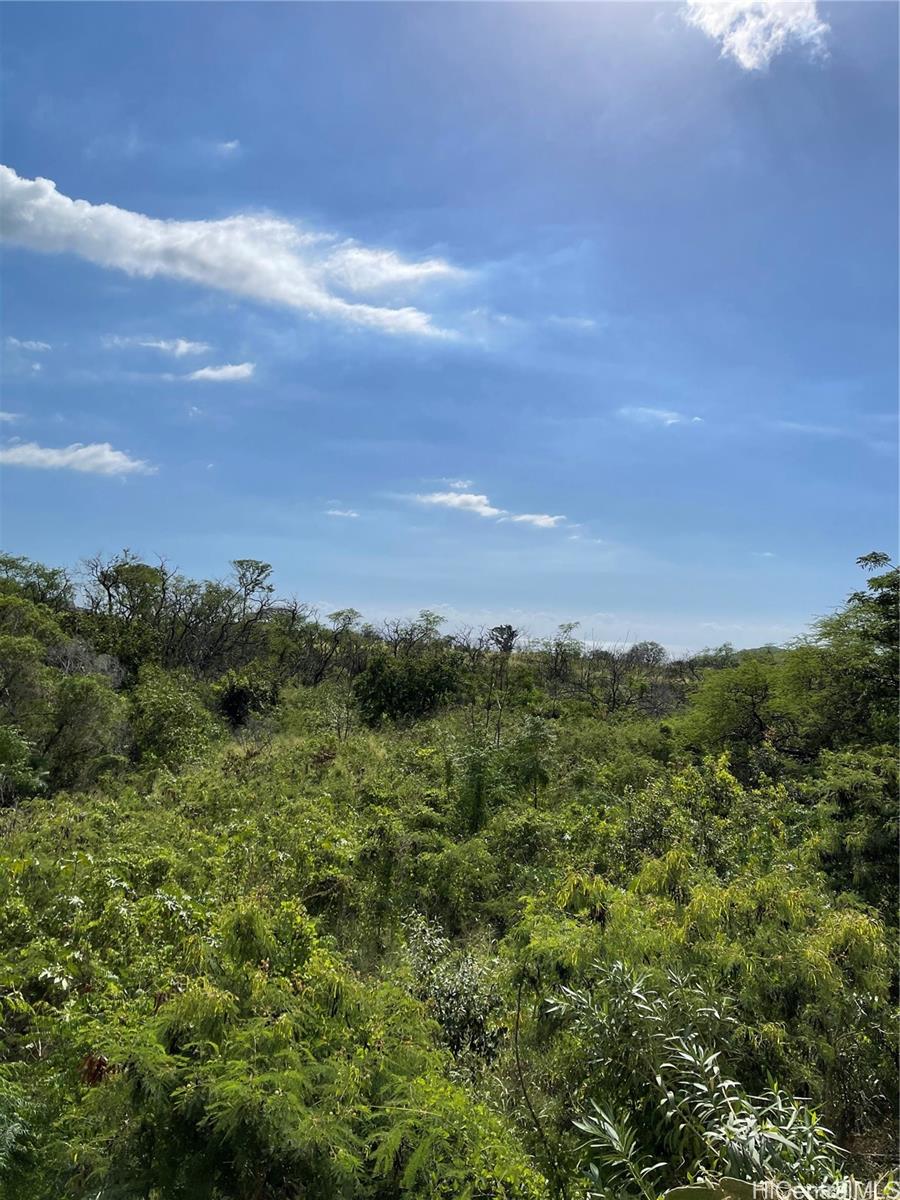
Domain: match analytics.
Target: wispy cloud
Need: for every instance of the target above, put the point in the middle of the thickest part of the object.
(107, 146)
(812, 429)
(97, 458)
(340, 512)
(658, 416)
(480, 505)
(541, 520)
(753, 32)
(577, 324)
(227, 149)
(32, 346)
(259, 256)
(361, 270)
(227, 373)
(10, 416)
(867, 430)
(177, 347)
(458, 485)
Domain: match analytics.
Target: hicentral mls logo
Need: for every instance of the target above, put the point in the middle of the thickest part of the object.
(848, 1188)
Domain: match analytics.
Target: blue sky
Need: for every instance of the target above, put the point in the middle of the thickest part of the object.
(535, 312)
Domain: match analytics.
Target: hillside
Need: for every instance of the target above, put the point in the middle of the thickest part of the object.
(295, 907)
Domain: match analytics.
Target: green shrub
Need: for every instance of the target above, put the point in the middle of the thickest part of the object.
(406, 688)
(170, 725)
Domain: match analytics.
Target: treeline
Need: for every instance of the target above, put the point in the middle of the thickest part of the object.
(295, 906)
(137, 664)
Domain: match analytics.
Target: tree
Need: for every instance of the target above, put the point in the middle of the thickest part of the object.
(405, 688)
(143, 613)
(527, 756)
(862, 639)
(858, 797)
(504, 638)
(28, 632)
(409, 637)
(87, 731)
(49, 586)
(240, 694)
(732, 709)
(169, 724)
(475, 770)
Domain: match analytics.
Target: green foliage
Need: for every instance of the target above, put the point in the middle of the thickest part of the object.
(240, 694)
(169, 723)
(837, 688)
(733, 706)
(528, 756)
(405, 688)
(209, 1039)
(654, 1063)
(857, 791)
(476, 771)
(86, 733)
(47, 586)
(451, 917)
(22, 618)
(18, 776)
(16, 1140)
(460, 990)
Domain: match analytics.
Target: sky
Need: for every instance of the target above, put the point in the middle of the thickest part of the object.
(521, 312)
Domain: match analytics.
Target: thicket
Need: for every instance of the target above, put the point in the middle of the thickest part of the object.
(292, 906)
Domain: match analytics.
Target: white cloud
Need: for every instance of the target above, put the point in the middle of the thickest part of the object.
(359, 269)
(467, 501)
(658, 416)
(458, 485)
(541, 520)
(259, 256)
(34, 347)
(491, 317)
(482, 507)
(227, 373)
(227, 149)
(177, 347)
(753, 32)
(98, 458)
(9, 416)
(340, 512)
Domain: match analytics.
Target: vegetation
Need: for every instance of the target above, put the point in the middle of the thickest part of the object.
(295, 907)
